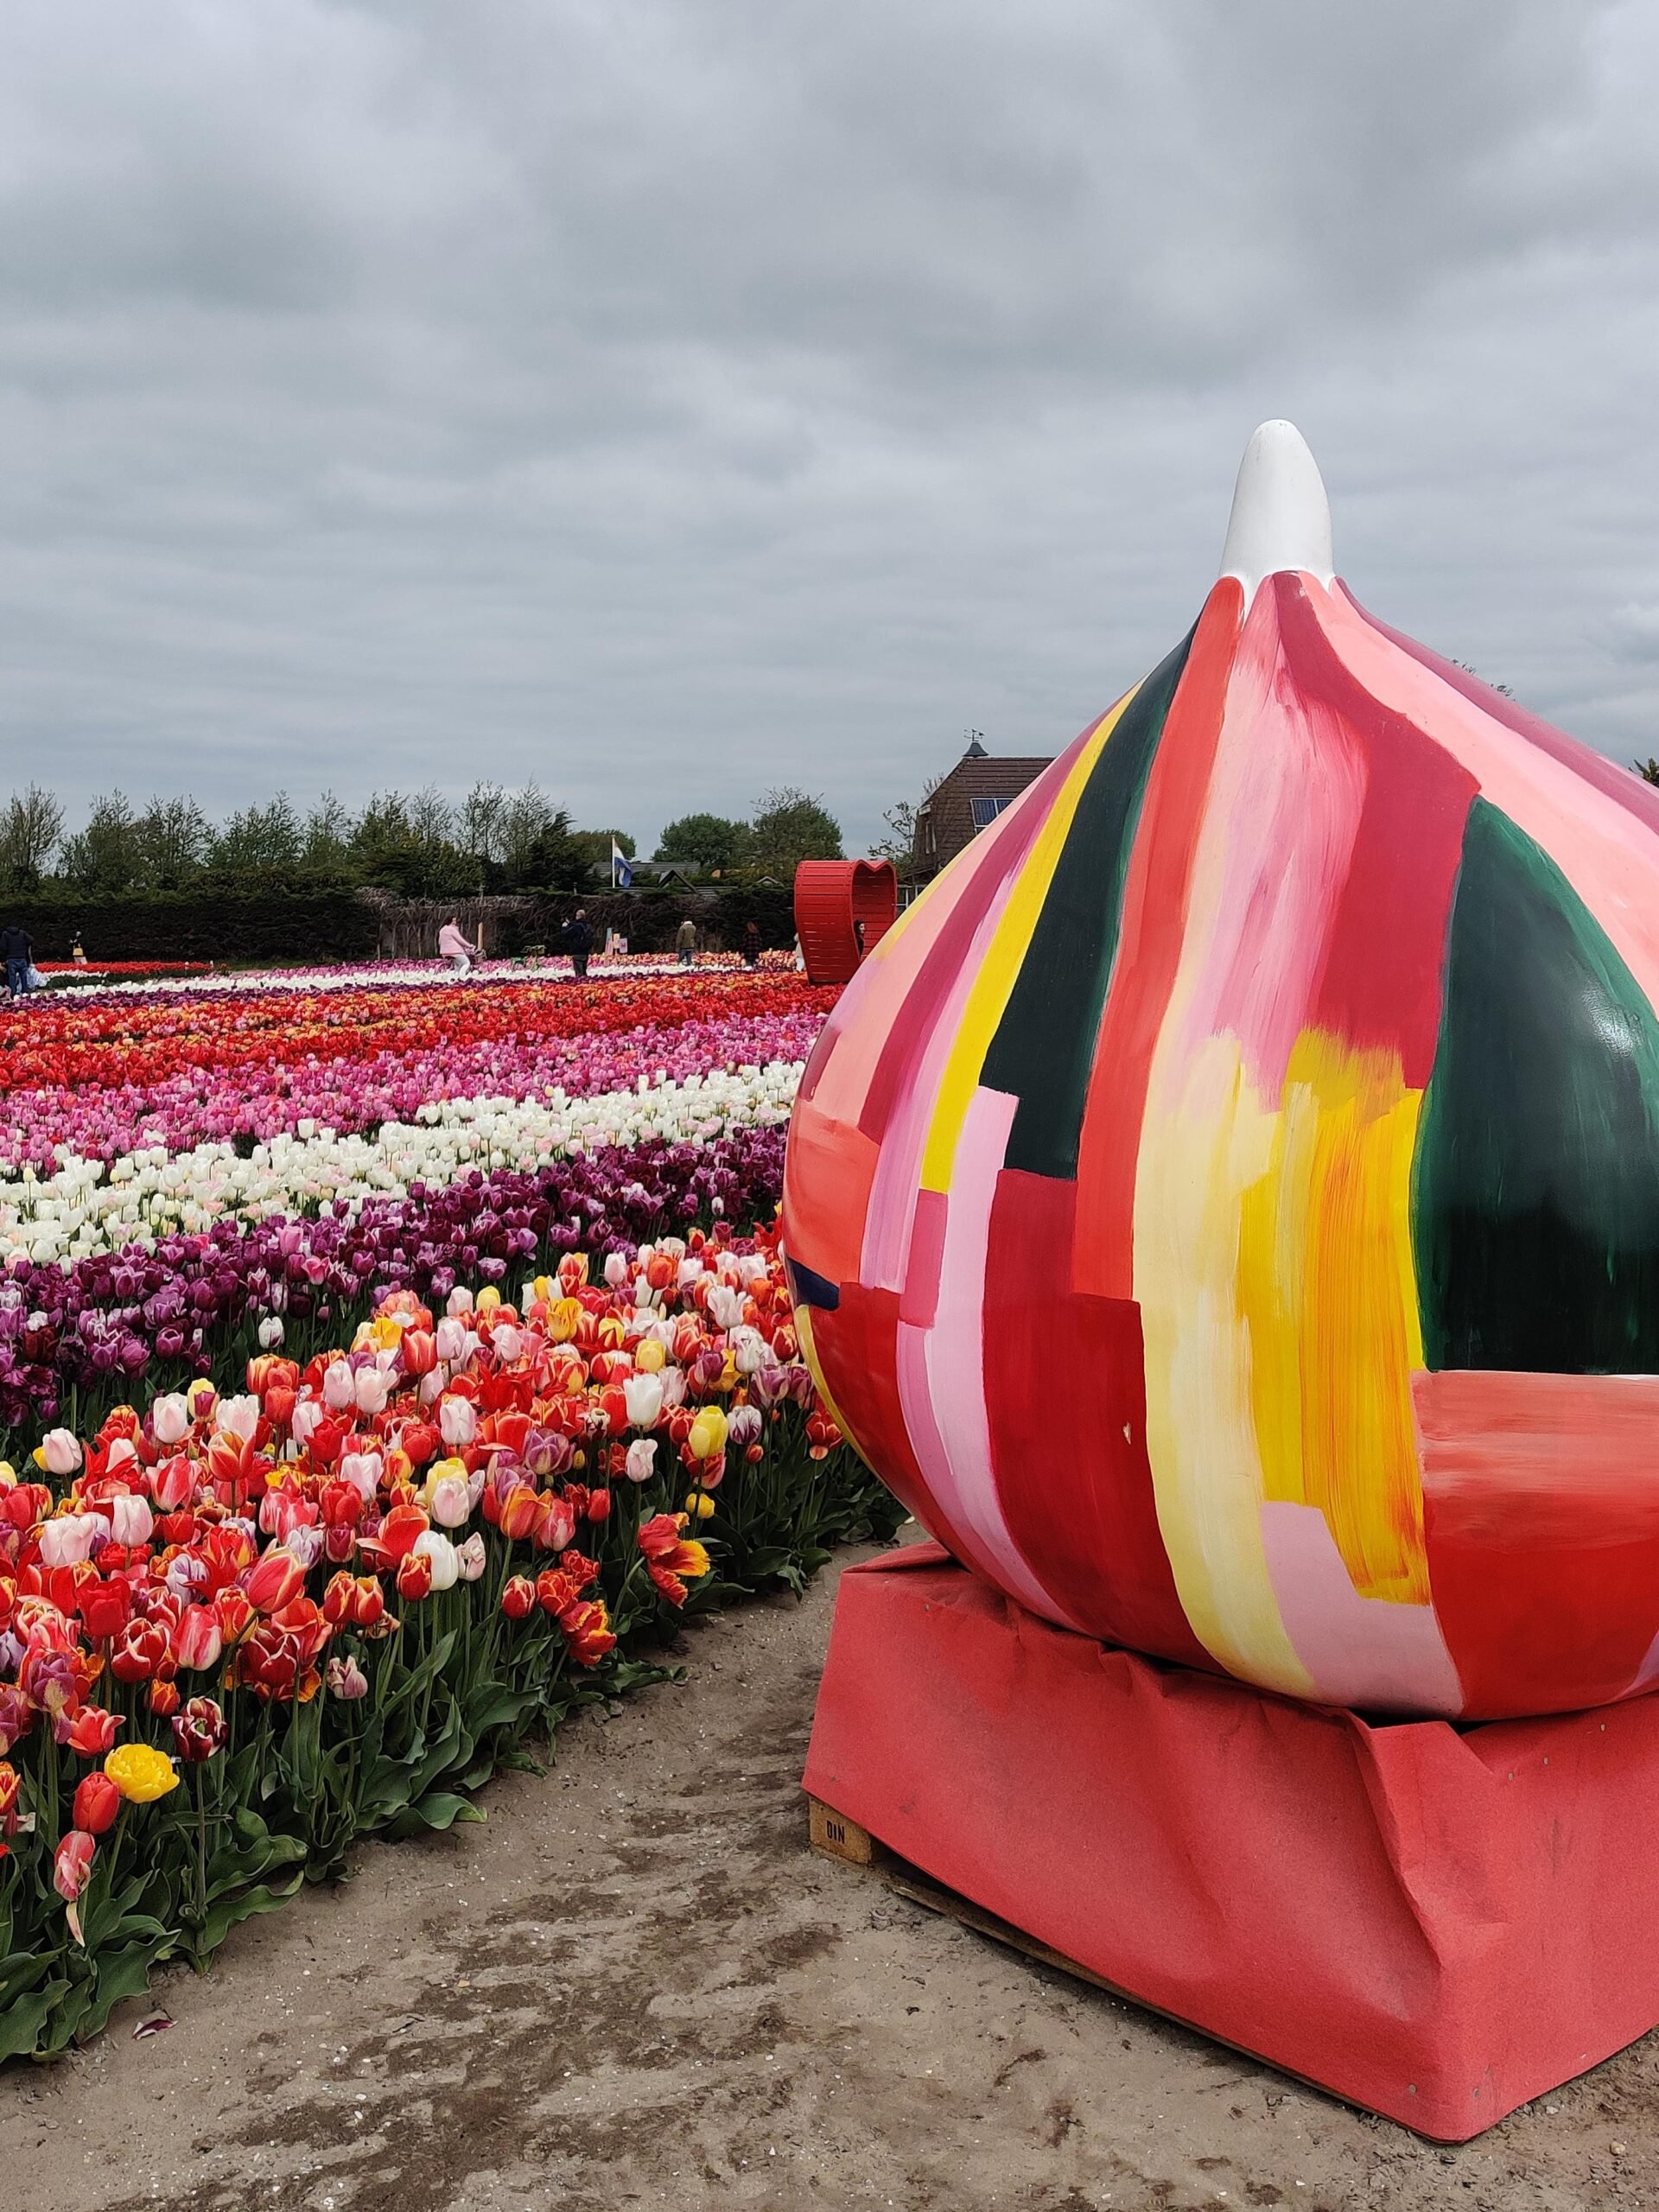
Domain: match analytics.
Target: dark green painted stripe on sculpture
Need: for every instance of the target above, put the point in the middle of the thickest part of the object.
(1043, 1047)
(1535, 1185)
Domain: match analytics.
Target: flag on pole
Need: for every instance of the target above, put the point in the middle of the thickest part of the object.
(621, 874)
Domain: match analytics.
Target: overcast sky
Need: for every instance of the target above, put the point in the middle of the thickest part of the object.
(669, 398)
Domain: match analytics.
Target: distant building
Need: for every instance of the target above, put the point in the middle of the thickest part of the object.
(669, 875)
(965, 802)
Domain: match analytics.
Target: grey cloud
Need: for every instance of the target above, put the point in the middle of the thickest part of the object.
(667, 397)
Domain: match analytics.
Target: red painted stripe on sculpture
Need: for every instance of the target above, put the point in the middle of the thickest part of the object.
(1065, 1384)
(919, 1301)
(941, 1370)
(1386, 939)
(1149, 950)
(1542, 1518)
(857, 1346)
(1605, 851)
(827, 1174)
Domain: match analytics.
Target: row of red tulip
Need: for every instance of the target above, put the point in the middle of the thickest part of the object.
(337, 1591)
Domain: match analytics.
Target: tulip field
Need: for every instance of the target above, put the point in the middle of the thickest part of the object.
(388, 1363)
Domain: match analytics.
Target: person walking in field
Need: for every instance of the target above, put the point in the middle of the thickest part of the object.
(17, 948)
(579, 942)
(453, 947)
(752, 944)
(687, 942)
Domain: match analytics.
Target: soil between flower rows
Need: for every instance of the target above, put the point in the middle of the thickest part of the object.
(635, 1987)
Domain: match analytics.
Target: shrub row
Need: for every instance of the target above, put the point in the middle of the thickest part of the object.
(316, 926)
(341, 924)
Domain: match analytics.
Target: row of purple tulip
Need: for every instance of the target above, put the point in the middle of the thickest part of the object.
(73, 1336)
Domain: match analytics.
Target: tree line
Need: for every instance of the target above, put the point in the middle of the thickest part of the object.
(788, 826)
(417, 845)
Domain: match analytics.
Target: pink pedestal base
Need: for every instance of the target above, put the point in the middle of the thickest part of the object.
(1437, 1924)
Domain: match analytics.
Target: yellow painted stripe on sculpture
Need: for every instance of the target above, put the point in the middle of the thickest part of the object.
(1327, 1291)
(1207, 1141)
(1361, 1334)
(815, 1368)
(999, 969)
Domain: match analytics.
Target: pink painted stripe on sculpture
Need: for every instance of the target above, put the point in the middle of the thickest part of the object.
(1646, 1675)
(1285, 799)
(916, 1403)
(954, 1349)
(1347, 1642)
(1632, 792)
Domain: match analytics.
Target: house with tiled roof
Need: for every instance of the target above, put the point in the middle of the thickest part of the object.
(966, 801)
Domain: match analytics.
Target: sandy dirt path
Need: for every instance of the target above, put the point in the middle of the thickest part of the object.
(636, 1986)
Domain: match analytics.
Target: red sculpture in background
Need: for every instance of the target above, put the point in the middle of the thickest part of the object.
(843, 911)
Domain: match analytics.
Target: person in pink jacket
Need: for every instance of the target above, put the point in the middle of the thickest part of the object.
(453, 947)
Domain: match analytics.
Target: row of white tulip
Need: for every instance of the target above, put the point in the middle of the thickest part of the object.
(370, 975)
(88, 1206)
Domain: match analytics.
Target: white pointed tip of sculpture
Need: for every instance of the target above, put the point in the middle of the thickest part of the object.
(1281, 517)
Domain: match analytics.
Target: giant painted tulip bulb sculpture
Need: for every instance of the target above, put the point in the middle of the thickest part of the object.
(1226, 1207)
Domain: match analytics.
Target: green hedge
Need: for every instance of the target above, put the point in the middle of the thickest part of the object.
(303, 927)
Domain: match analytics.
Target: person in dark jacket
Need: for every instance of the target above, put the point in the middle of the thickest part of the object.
(17, 949)
(752, 944)
(578, 936)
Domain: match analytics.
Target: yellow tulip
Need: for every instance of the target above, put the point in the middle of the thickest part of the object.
(699, 1503)
(649, 1356)
(435, 1475)
(487, 1299)
(141, 1773)
(708, 1433)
